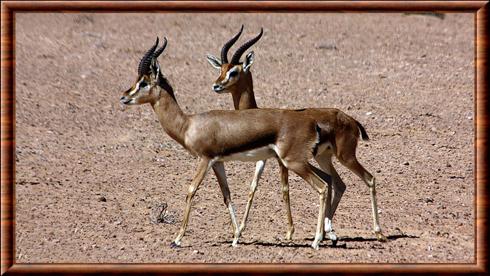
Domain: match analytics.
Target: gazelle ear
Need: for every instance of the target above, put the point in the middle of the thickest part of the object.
(249, 60)
(214, 61)
(155, 68)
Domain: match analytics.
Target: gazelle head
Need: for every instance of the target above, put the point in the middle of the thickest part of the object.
(232, 72)
(145, 89)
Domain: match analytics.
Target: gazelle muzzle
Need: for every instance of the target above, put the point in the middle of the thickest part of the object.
(218, 88)
(124, 100)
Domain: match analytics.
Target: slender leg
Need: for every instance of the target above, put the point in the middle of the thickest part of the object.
(219, 170)
(328, 226)
(201, 173)
(259, 168)
(325, 162)
(285, 196)
(374, 205)
(359, 170)
(319, 181)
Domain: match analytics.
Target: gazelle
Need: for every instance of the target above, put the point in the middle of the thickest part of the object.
(236, 78)
(224, 135)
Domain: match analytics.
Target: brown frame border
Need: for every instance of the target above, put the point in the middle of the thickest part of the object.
(8, 10)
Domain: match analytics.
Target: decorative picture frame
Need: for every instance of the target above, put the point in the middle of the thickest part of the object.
(10, 8)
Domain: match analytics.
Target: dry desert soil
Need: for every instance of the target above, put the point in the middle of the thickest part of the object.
(90, 178)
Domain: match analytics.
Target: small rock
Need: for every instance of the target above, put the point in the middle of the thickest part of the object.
(327, 47)
(399, 231)
(102, 199)
(428, 200)
(406, 163)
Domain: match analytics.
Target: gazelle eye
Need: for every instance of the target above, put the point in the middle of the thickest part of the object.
(233, 73)
(143, 84)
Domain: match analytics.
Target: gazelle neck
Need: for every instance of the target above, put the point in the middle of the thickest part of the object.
(173, 120)
(243, 95)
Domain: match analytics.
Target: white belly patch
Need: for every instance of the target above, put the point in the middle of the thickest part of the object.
(252, 155)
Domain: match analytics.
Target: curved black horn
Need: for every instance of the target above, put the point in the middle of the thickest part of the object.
(236, 57)
(160, 51)
(227, 46)
(145, 62)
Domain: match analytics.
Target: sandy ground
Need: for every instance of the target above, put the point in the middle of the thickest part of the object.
(89, 177)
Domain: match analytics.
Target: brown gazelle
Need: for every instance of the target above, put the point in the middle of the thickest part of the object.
(259, 168)
(224, 135)
(236, 78)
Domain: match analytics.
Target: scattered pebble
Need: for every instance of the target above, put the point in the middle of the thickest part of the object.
(327, 47)
(428, 200)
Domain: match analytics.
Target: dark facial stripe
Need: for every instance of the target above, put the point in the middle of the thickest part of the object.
(129, 90)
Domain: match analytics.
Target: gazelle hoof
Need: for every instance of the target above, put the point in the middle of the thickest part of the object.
(332, 236)
(174, 245)
(334, 243)
(315, 245)
(381, 237)
(234, 243)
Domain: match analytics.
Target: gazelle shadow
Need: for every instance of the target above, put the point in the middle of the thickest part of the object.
(341, 243)
(391, 238)
(278, 244)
